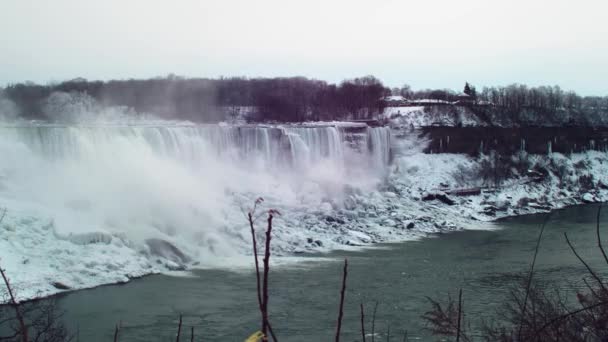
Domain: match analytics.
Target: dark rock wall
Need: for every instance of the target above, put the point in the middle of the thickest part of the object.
(534, 140)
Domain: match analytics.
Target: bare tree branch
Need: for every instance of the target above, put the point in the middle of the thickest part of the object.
(341, 309)
(593, 274)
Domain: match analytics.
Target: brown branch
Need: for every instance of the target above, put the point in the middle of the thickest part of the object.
(597, 230)
(179, 329)
(255, 257)
(13, 302)
(374, 322)
(265, 279)
(9, 338)
(3, 214)
(116, 333)
(251, 220)
(341, 310)
(568, 315)
(459, 315)
(590, 288)
(274, 337)
(593, 274)
(362, 323)
(191, 334)
(530, 274)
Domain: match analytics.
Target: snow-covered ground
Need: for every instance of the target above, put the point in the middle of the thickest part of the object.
(423, 116)
(42, 255)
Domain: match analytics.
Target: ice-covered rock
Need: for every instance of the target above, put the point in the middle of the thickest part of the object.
(440, 196)
(588, 198)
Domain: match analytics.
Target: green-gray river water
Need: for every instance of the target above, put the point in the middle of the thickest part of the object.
(222, 305)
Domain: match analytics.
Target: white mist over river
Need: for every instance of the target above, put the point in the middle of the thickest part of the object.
(97, 204)
(187, 184)
(221, 305)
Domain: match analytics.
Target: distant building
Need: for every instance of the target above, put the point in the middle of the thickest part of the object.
(395, 101)
(464, 99)
(429, 102)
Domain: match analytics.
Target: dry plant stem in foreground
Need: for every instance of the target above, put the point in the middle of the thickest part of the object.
(342, 292)
(13, 301)
(374, 322)
(597, 232)
(255, 258)
(589, 269)
(530, 274)
(262, 284)
(265, 279)
(15, 305)
(362, 323)
(179, 329)
(459, 315)
(116, 333)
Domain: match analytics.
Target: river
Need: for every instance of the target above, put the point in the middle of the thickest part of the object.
(221, 303)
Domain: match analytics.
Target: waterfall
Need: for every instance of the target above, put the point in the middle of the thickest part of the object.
(279, 146)
(379, 146)
(182, 182)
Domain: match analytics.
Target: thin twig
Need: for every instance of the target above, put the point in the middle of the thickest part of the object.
(374, 322)
(179, 329)
(568, 315)
(589, 287)
(116, 333)
(274, 337)
(14, 304)
(597, 230)
(530, 275)
(3, 214)
(265, 280)
(362, 323)
(405, 336)
(593, 274)
(255, 257)
(341, 309)
(191, 334)
(13, 300)
(459, 315)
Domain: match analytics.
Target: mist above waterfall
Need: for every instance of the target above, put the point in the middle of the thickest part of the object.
(182, 182)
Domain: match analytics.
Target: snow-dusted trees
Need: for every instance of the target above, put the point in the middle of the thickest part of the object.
(201, 99)
(470, 90)
(301, 99)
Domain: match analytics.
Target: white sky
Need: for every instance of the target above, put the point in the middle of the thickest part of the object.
(425, 43)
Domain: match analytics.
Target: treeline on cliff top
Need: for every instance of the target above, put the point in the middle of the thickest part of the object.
(294, 99)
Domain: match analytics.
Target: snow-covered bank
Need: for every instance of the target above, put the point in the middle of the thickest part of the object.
(92, 206)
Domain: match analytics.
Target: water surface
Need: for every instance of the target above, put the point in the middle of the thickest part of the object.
(222, 305)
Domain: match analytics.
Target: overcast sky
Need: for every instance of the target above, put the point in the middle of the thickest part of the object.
(424, 43)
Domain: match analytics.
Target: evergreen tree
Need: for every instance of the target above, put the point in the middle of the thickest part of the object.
(467, 88)
(470, 90)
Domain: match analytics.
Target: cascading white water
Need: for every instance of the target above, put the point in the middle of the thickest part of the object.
(379, 146)
(183, 183)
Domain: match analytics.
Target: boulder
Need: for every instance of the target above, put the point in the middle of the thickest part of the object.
(60, 286)
(167, 250)
(490, 210)
(588, 198)
(440, 196)
(334, 219)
